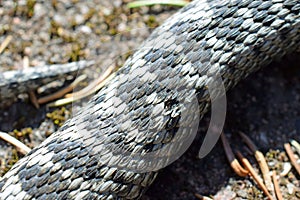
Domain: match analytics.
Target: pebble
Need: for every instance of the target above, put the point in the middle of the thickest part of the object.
(85, 29)
(39, 10)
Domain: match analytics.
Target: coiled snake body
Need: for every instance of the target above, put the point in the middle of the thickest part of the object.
(141, 110)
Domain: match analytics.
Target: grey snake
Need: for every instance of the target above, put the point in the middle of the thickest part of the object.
(141, 120)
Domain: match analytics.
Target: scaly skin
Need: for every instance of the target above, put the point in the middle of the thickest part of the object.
(148, 107)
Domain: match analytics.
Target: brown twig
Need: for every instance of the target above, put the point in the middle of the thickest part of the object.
(33, 99)
(255, 176)
(261, 161)
(20, 146)
(5, 43)
(234, 163)
(291, 155)
(61, 92)
(276, 186)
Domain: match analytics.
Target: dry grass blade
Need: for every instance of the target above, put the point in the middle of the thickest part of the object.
(234, 163)
(22, 148)
(248, 141)
(261, 161)
(296, 145)
(68, 100)
(61, 92)
(276, 186)
(287, 166)
(5, 43)
(91, 87)
(255, 176)
(199, 196)
(136, 4)
(292, 157)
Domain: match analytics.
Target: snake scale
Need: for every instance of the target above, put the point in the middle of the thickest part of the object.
(98, 153)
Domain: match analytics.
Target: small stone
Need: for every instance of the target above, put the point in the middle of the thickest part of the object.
(79, 19)
(290, 188)
(39, 10)
(85, 29)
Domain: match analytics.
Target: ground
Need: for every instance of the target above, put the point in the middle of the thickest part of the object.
(265, 106)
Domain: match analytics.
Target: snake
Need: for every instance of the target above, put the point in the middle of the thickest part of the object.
(142, 119)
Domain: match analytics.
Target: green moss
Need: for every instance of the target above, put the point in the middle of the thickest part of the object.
(23, 132)
(30, 7)
(5, 28)
(54, 27)
(6, 166)
(113, 31)
(151, 22)
(76, 53)
(59, 116)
